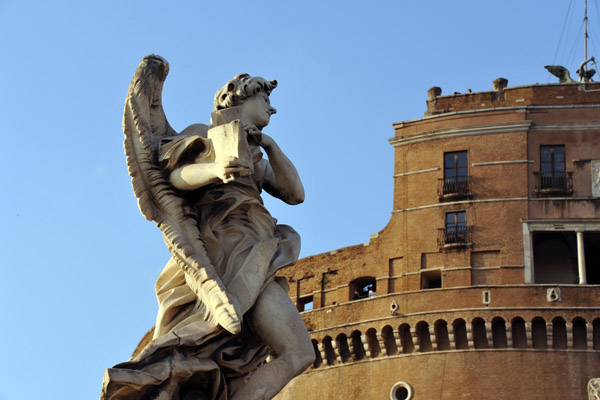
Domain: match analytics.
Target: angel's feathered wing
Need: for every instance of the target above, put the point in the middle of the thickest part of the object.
(144, 124)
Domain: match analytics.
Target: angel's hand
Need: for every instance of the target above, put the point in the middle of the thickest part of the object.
(257, 138)
(231, 168)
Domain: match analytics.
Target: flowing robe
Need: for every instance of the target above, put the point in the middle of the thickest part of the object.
(190, 352)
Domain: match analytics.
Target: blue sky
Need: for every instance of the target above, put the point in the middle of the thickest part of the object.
(79, 261)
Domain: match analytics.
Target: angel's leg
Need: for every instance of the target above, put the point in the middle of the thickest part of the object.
(277, 323)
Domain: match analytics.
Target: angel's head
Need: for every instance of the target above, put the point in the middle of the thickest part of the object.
(250, 93)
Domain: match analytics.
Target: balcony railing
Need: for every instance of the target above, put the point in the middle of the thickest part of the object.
(455, 236)
(552, 183)
(454, 187)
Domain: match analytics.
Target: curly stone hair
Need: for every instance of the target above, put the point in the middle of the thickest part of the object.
(240, 88)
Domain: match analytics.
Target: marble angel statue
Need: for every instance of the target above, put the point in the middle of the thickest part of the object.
(222, 311)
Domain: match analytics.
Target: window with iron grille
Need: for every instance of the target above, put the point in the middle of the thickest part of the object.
(456, 179)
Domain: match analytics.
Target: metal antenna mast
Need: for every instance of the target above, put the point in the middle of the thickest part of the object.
(586, 33)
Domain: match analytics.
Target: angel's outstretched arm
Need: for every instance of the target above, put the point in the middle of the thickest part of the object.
(194, 176)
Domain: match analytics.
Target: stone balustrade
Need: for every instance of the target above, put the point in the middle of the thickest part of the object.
(498, 333)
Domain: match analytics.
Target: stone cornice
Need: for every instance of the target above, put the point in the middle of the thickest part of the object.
(567, 127)
(452, 203)
(519, 108)
(521, 126)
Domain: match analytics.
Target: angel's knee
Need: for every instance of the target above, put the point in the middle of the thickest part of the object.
(300, 356)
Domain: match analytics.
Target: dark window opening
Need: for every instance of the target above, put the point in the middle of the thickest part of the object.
(559, 333)
(519, 334)
(579, 334)
(596, 334)
(423, 337)
(441, 335)
(479, 334)
(456, 182)
(343, 348)
(555, 257)
(431, 279)
(318, 358)
(459, 328)
(406, 339)
(373, 343)
(329, 352)
(539, 334)
(591, 244)
(362, 288)
(401, 393)
(357, 346)
(389, 341)
(305, 303)
(499, 338)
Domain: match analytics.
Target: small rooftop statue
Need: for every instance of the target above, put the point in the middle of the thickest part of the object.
(222, 311)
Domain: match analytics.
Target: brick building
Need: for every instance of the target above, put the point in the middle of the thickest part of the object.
(484, 283)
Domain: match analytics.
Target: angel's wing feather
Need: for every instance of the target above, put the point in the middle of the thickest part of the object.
(144, 124)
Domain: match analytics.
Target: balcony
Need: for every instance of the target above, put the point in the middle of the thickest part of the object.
(552, 183)
(454, 236)
(454, 188)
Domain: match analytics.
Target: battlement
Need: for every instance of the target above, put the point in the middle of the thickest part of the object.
(502, 96)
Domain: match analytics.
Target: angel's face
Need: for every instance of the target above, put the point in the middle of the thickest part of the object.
(257, 110)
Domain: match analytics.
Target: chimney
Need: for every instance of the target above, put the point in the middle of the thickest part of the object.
(500, 84)
(433, 93)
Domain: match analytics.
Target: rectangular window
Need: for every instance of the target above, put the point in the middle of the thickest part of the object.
(553, 176)
(305, 303)
(456, 179)
(552, 161)
(455, 165)
(431, 279)
(456, 227)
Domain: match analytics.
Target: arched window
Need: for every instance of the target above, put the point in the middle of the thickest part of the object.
(342, 343)
(329, 353)
(596, 333)
(362, 288)
(579, 333)
(518, 333)
(441, 335)
(318, 358)
(423, 337)
(387, 333)
(539, 336)
(406, 339)
(499, 333)
(559, 333)
(357, 346)
(373, 343)
(459, 327)
(479, 334)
